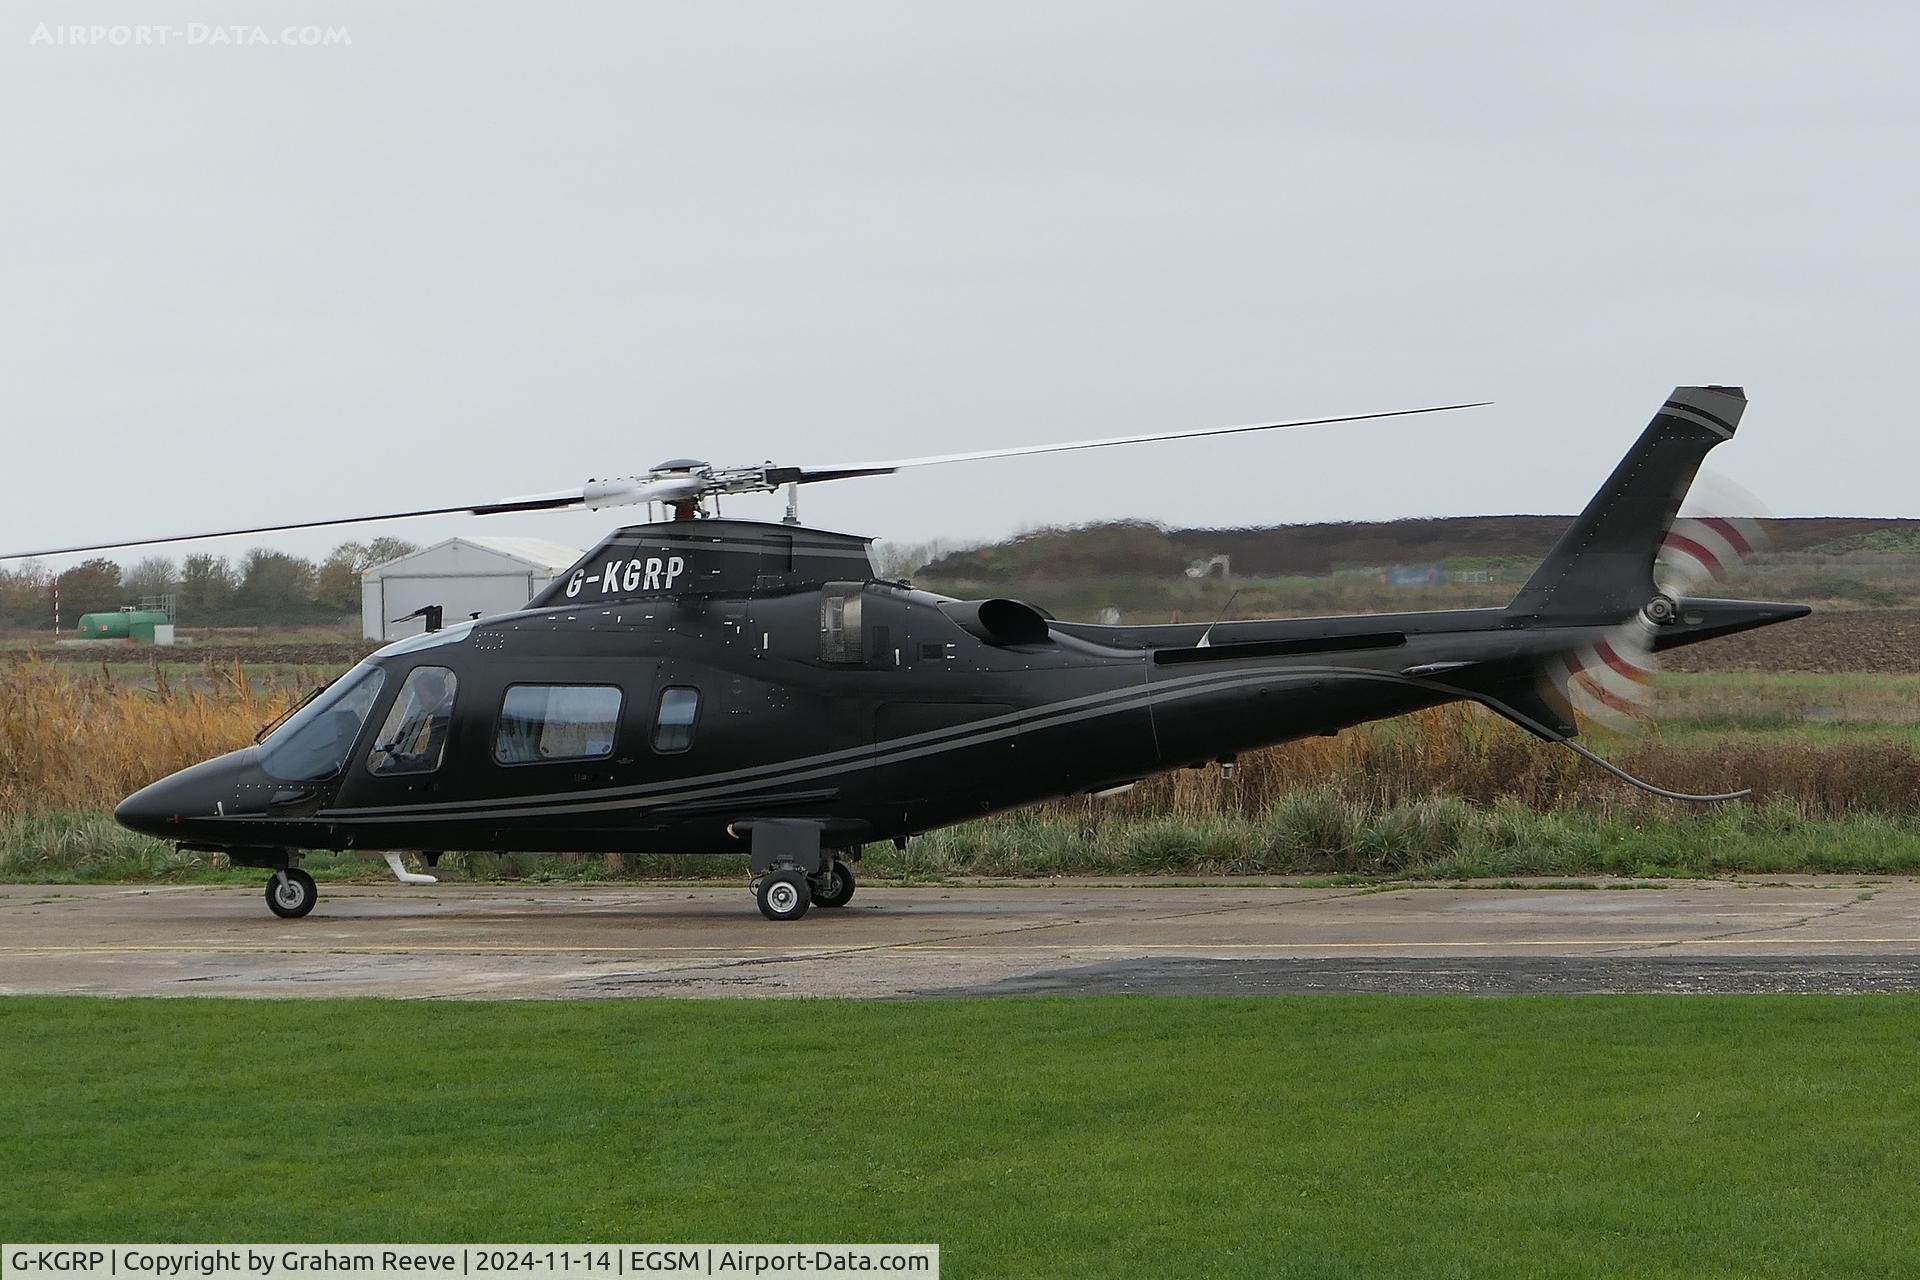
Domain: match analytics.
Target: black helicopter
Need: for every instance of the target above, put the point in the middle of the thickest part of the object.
(714, 685)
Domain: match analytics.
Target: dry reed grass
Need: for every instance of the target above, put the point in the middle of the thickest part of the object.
(1465, 752)
(72, 739)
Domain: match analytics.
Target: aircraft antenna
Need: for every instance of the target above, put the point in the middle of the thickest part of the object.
(1206, 637)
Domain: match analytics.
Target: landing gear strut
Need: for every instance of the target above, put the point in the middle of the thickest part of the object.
(833, 887)
(291, 893)
(793, 871)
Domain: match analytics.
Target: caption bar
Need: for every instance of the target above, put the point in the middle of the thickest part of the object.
(420, 1261)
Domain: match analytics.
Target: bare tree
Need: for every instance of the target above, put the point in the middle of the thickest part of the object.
(153, 576)
(899, 560)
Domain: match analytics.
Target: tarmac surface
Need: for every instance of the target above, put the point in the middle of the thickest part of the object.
(1836, 934)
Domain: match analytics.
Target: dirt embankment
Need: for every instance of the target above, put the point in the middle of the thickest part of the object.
(1130, 548)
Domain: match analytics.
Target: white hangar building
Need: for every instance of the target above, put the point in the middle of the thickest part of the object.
(462, 575)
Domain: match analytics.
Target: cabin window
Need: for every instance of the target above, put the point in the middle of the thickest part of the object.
(840, 638)
(541, 723)
(414, 738)
(673, 726)
(314, 743)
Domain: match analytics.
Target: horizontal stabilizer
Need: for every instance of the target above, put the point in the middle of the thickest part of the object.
(1704, 619)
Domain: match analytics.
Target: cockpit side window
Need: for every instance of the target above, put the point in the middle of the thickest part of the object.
(314, 743)
(414, 738)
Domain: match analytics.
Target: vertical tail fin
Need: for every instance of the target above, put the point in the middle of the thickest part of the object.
(1601, 570)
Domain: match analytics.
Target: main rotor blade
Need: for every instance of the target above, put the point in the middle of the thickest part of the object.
(810, 475)
(534, 502)
(691, 487)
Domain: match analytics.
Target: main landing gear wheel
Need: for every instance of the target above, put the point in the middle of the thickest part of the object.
(783, 895)
(833, 887)
(291, 893)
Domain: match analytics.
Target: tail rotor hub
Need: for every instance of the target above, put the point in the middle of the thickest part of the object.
(1611, 680)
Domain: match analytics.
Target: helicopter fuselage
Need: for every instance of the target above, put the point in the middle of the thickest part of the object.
(673, 718)
(711, 712)
(722, 686)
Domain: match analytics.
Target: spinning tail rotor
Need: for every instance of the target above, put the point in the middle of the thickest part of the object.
(1610, 682)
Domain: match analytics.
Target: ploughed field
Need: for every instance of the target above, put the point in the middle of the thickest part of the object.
(1868, 640)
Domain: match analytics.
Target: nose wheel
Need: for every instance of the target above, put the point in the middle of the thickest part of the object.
(291, 893)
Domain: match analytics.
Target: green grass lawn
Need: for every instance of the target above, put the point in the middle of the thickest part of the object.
(1327, 1136)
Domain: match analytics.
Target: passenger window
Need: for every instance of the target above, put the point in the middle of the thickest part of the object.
(673, 727)
(414, 738)
(540, 723)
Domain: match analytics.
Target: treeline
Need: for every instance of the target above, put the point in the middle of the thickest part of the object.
(263, 588)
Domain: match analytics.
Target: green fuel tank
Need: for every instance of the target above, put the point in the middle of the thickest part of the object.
(121, 624)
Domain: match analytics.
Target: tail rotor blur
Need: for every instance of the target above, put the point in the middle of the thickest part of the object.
(1611, 682)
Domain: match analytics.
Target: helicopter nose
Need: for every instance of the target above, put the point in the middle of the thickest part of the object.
(181, 805)
(152, 811)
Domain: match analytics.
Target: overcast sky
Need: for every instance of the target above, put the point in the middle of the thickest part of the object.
(483, 250)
